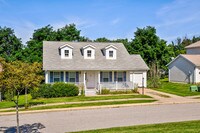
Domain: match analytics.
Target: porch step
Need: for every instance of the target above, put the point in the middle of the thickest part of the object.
(90, 92)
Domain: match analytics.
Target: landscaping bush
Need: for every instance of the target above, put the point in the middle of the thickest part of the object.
(58, 89)
(105, 91)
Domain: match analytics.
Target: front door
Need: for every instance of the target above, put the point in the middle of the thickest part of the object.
(90, 80)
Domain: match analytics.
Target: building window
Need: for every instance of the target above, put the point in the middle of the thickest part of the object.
(89, 53)
(72, 76)
(56, 76)
(120, 76)
(105, 76)
(110, 53)
(66, 53)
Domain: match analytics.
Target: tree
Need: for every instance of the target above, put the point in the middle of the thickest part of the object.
(102, 39)
(18, 76)
(150, 47)
(10, 45)
(33, 51)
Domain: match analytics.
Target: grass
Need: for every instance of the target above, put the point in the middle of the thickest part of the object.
(173, 127)
(9, 104)
(176, 88)
(85, 105)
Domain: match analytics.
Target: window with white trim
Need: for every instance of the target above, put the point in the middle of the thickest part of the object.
(111, 54)
(66, 53)
(89, 53)
(56, 76)
(119, 76)
(105, 76)
(72, 76)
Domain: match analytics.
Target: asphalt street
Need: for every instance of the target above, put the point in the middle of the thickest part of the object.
(67, 121)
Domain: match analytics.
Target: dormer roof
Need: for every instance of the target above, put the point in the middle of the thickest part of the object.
(89, 45)
(109, 46)
(65, 45)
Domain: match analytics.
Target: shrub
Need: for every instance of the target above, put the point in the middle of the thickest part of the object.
(58, 89)
(105, 91)
(34, 93)
(8, 95)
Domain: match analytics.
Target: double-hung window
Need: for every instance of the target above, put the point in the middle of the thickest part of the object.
(119, 76)
(111, 54)
(72, 76)
(105, 76)
(66, 53)
(89, 53)
(56, 76)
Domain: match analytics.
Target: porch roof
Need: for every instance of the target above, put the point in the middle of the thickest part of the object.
(124, 61)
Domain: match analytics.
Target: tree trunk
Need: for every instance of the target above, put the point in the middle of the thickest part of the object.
(17, 112)
(26, 99)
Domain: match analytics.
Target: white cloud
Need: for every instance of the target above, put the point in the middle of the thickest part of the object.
(115, 21)
(178, 18)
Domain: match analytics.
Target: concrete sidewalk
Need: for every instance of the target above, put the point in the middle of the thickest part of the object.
(166, 98)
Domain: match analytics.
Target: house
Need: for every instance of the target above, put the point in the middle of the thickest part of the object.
(93, 64)
(186, 67)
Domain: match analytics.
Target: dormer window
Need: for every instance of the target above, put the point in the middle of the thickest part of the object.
(89, 53)
(111, 54)
(66, 53)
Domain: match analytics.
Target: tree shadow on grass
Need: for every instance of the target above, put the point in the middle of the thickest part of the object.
(26, 128)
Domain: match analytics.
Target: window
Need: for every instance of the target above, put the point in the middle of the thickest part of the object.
(110, 53)
(66, 53)
(72, 76)
(89, 53)
(120, 76)
(105, 76)
(56, 76)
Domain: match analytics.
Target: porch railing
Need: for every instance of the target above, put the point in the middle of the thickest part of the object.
(117, 85)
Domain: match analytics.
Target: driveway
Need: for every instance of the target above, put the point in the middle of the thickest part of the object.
(67, 121)
(166, 98)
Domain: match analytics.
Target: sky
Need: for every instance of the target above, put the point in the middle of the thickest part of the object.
(112, 19)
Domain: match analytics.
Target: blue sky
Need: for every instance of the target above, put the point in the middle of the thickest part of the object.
(103, 18)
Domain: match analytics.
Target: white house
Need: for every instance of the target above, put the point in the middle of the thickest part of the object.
(95, 65)
(186, 67)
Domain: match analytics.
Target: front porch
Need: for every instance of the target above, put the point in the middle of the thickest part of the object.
(94, 80)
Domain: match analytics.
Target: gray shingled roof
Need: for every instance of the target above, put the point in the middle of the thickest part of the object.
(124, 61)
(193, 45)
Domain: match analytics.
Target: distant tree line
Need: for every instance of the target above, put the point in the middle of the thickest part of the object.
(145, 42)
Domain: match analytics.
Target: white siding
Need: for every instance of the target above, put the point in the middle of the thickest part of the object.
(181, 70)
(137, 76)
(92, 54)
(63, 53)
(114, 53)
(197, 75)
(193, 51)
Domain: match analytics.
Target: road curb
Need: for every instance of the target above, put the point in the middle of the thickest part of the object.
(96, 107)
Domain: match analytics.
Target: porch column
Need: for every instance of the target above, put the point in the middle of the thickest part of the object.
(46, 77)
(84, 80)
(113, 78)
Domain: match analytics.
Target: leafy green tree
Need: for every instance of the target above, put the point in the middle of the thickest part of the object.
(68, 33)
(102, 39)
(18, 76)
(10, 45)
(150, 47)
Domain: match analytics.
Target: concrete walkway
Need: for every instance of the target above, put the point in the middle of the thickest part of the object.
(166, 98)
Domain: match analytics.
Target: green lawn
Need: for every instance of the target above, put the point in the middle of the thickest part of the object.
(175, 127)
(8, 104)
(84, 105)
(176, 88)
